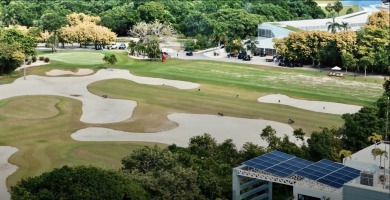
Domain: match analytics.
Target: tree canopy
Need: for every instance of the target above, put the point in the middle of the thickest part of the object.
(78, 183)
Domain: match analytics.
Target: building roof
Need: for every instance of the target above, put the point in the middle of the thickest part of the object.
(365, 155)
(356, 20)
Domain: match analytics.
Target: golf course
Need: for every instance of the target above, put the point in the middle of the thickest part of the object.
(41, 123)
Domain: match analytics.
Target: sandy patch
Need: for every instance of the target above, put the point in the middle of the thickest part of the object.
(33, 64)
(96, 109)
(6, 169)
(316, 106)
(221, 128)
(59, 72)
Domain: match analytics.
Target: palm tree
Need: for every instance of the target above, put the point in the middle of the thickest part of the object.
(131, 47)
(345, 154)
(333, 25)
(375, 138)
(379, 152)
(345, 25)
(219, 35)
(337, 6)
(251, 44)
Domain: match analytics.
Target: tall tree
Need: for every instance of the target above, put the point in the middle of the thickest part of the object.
(337, 7)
(333, 26)
(52, 22)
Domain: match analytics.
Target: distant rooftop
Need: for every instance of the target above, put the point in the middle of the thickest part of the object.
(355, 20)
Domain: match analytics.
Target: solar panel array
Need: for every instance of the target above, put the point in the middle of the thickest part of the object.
(329, 173)
(278, 163)
(284, 165)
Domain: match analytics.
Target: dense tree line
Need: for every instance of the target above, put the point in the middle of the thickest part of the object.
(367, 49)
(187, 17)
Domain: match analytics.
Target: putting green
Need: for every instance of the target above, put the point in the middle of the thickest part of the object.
(80, 58)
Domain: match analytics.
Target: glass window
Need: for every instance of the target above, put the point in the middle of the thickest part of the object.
(266, 33)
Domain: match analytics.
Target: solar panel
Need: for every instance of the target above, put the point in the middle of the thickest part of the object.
(278, 163)
(329, 173)
(324, 171)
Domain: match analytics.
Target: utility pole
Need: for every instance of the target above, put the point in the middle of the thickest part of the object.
(24, 69)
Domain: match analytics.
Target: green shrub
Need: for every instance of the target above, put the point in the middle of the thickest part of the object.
(26, 59)
(46, 59)
(189, 45)
(41, 58)
(34, 59)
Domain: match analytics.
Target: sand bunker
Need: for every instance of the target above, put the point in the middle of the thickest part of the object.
(59, 72)
(6, 169)
(96, 109)
(221, 128)
(316, 106)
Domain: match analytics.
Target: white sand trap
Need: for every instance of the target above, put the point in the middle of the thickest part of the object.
(59, 72)
(95, 108)
(316, 106)
(6, 169)
(221, 128)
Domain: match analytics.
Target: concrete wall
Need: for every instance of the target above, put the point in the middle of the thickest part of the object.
(354, 192)
(315, 193)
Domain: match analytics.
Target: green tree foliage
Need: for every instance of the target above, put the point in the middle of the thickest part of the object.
(110, 59)
(333, 26)
(271, 12)
(78, 183)
(149, 159)
(337, 7)
(349, 11)
(154, 10)
(120, 19)
(52, 22)
(329, 7)
(235, 22)
(324, 145)
(200, 171)
(14, 48)
(359, 126)
(153, 48)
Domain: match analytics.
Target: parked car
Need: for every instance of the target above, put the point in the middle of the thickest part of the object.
(112, 46)
(189, 53)
(122, 46)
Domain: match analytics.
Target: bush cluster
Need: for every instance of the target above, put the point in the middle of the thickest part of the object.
(28, 62)
(41, 58)
(46, 59)
(34, 59)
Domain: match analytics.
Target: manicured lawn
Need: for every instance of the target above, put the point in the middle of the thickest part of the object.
(40, 126)
(81, 58)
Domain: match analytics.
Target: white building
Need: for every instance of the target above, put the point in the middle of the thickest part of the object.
(269, 30)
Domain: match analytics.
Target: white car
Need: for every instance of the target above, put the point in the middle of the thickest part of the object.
(112, 46)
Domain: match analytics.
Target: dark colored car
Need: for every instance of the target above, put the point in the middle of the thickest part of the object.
(189, 53)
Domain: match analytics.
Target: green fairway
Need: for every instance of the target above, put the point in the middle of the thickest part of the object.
(79, 58)
(40, 126)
